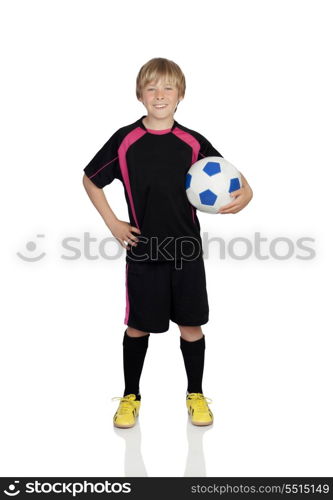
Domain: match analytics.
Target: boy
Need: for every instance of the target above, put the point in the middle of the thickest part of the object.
(165, 275)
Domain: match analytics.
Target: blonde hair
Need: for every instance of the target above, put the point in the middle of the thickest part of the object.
(159, 67)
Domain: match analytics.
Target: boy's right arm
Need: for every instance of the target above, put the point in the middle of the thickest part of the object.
(120, 229)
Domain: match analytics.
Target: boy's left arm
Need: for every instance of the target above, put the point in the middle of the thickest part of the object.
(242, 197)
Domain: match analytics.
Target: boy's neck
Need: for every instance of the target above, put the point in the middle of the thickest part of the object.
(155, 124)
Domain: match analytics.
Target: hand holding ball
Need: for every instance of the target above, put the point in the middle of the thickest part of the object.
(209, 183)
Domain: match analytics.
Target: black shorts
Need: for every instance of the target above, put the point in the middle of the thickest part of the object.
(157, 292)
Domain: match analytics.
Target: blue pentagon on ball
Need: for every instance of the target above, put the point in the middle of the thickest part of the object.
(234, 184)
(212, 168)
(188, 181)
(207, 197)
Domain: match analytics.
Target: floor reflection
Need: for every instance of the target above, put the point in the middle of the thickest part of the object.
(195, 463)
(134, 465)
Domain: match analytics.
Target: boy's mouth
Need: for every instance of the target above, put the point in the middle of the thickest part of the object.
(160, 106)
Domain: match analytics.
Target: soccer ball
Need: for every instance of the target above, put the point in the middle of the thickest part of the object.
(209, 182)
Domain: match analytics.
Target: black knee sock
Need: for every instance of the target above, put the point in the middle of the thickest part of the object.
(134, 352)
(194, 358)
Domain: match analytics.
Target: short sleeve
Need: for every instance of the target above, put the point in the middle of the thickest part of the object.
(206, 149)
(104, 166)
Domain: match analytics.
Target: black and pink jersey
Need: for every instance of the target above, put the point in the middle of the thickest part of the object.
(152, 166)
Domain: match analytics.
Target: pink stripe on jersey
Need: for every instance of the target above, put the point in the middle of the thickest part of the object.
(106, 164)
(127, 299)
(128, 140)
(193, 212)
(190, 140)
(195, 145)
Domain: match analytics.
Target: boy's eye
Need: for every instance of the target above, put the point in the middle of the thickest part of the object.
(153, 88)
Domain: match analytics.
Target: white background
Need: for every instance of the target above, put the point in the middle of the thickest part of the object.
(259, 87)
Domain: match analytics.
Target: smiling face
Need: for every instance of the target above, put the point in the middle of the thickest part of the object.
(160, 98)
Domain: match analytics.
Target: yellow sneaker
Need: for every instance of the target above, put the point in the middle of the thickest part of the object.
(198, 409)
(128, 411)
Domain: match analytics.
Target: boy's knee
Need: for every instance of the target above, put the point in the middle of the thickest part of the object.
(133, 332)
(190, 333)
